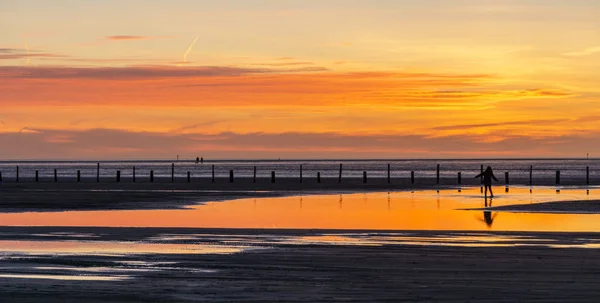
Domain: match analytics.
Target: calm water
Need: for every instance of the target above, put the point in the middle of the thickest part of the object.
(573, 170)
(421, 210)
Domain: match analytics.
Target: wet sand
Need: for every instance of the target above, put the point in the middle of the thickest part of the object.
(558, 207)
(61, 196)
(303, 272)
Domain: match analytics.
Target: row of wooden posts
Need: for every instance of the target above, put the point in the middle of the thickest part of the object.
(389, 179)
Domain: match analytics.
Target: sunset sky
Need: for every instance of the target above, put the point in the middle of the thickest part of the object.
(150, 79)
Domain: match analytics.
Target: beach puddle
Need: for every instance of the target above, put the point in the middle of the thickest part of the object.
(419, 210)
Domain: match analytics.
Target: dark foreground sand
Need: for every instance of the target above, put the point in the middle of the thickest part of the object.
(314, 273)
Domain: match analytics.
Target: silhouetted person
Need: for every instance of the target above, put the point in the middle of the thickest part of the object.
(202, 160)
(197, 160)
(487, 175)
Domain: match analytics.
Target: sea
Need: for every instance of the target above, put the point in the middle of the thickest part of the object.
(519, 169)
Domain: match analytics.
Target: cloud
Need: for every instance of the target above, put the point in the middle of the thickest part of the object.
(120, 144)
(28, 130)
(527, 93)
(501, 124)
(220, 86)
(157, 72)
(18, 53)
(123, 73)
(195, 126)
(585, 52)
(284, 63)
(130, 38)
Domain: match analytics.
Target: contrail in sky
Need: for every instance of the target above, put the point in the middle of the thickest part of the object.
(189, 49)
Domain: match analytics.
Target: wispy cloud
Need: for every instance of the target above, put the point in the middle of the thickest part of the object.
(528, 93)
(28, 130)
(291, 63)
(124, 73)
(25, 53)
(502, 124)
(585, 52)
(156, 72)
(132, 38)
(196, 126)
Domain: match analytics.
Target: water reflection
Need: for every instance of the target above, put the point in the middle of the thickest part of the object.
(488, 216)
(416, 210)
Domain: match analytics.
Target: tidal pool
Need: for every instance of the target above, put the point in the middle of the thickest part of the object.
(419, 210)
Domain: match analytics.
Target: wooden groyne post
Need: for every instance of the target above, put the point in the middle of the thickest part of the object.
(365, 177)
(98, 172)
(459, 178)
(172, 172)
(389, 173)
(481, 171)
(300, 173)
(412, 177)
(189, 176)
(151, 176)
(37, 176)
(340, 177)
(254, 175)
(78, 175)
(55, 175)
(231, 176)
(530, 175)
(587, 175)
(0, 176)
(506, 178)
(437, 174)
(134, 174)
(273, 177)
(17, 176)
(118, 176)
(558, 177)
(213, 173)
(318, 177)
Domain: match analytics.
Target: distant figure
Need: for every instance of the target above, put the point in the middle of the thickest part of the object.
(488, 175)
(197, 160)
(201, 160)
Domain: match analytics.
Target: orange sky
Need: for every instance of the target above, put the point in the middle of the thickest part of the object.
(299, 79)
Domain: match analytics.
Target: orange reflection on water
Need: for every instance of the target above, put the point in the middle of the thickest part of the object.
(423, 210)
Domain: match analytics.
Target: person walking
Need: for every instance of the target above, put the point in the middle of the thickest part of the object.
(487, 175)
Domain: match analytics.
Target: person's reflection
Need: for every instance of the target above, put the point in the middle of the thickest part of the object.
(488, 216)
